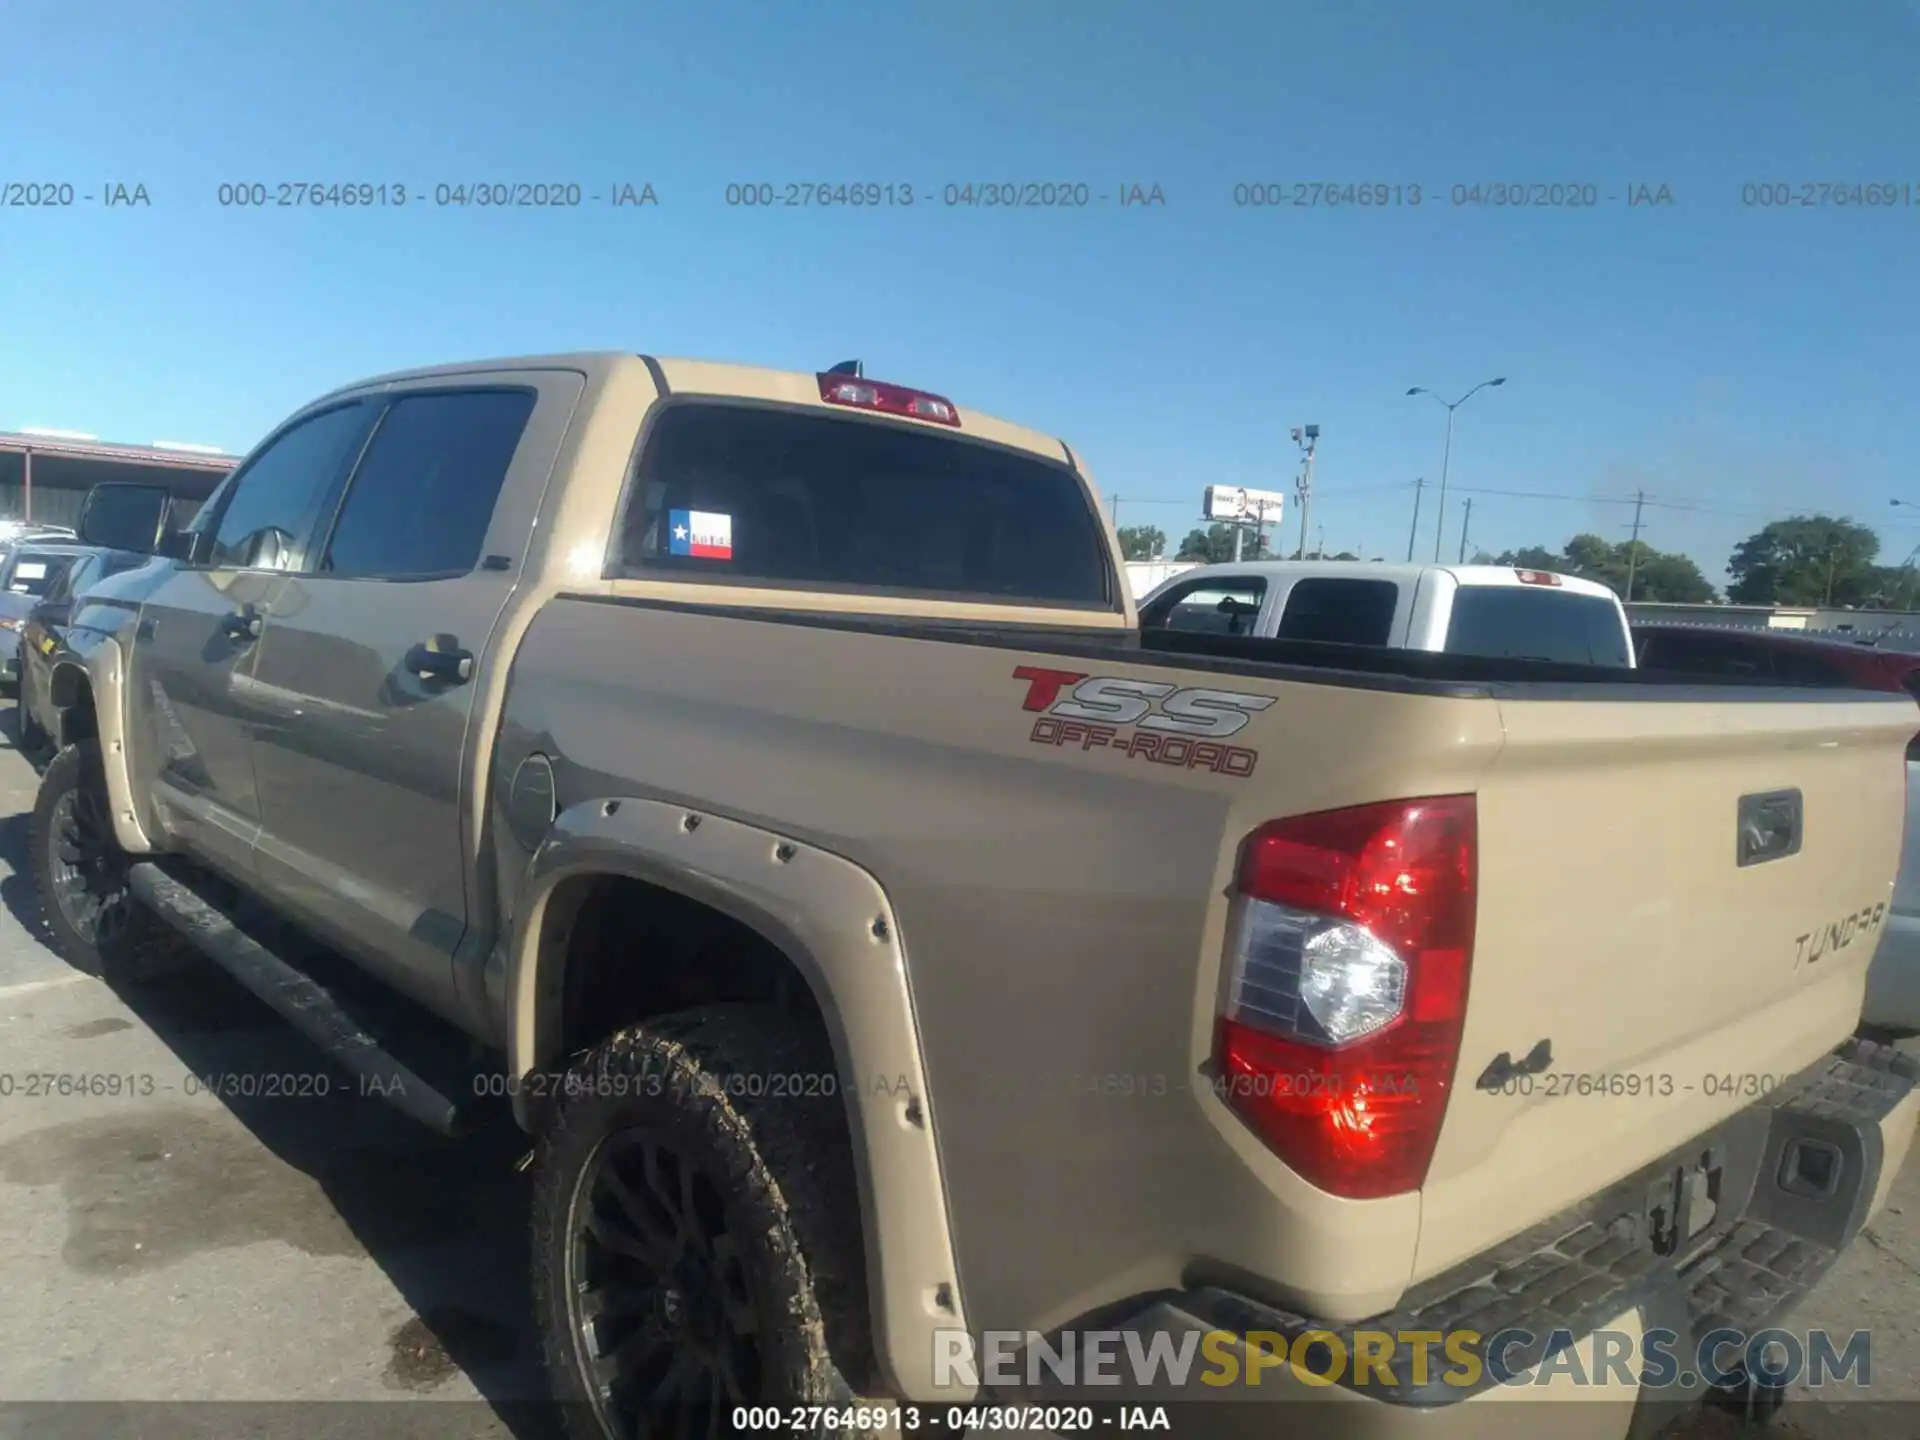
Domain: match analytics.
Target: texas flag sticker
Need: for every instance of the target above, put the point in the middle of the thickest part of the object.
(706, 534)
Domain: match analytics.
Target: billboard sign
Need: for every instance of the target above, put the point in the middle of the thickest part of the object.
(1236, 503)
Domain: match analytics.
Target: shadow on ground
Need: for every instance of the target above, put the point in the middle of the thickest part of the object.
(320, 1167)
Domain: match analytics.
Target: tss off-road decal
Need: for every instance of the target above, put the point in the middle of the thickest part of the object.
(1142, 719)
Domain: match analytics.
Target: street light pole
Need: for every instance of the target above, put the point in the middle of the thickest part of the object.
(1446, 456)
(1440, 515)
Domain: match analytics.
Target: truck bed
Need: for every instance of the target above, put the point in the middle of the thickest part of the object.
(1064, 906)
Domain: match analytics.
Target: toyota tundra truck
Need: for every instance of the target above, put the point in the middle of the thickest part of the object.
(889, 946)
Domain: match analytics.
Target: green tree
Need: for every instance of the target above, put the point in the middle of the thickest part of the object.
(1532, 557)
(1669, 577)
(1209, 546)
(1659, 576)
(1142, 542)
(1806, 560)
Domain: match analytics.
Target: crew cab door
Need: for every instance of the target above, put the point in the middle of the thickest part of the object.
(367, 674)
(199, 635)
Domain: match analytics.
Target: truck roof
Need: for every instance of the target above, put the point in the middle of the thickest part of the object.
(1398, 572)
(720, 378)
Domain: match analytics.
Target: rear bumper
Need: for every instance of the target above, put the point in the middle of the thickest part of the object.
(1588, 1286)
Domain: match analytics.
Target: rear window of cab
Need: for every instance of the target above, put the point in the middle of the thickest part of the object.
(761, 495)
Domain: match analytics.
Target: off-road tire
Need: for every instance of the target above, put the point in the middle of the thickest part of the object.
(782, 1167)
(137, 946)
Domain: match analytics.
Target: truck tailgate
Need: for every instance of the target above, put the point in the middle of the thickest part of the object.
(1675, 971)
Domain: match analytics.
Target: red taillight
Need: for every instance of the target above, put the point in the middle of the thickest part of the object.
(1537, 577)
(1352, 942)
(876, 395)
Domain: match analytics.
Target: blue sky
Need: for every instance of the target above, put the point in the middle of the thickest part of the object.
(1735, 362)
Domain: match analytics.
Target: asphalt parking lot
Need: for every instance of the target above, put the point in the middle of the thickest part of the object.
(243, 1257)
(172, 1244)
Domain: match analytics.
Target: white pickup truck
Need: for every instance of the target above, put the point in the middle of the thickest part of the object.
(1487, 610)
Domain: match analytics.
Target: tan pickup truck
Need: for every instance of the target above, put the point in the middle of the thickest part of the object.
(893, 950)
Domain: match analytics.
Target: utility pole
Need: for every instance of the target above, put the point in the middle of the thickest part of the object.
(1464, 525)
(1633, 545)
(1833, 562)
(1418, 486)
(1308, 439)
(1260, 533)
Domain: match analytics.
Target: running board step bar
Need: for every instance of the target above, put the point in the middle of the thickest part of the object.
(306, 1004)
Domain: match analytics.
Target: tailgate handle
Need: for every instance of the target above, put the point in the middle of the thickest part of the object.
(1770, 826)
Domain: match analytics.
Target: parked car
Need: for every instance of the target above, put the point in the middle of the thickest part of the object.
(43, 636)
(1489, 610)
(29, 570)
(1892, 1004)
(14, 534)
(888, 941)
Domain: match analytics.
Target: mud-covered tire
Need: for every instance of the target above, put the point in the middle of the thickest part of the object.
(780, 1167)
(79, 867)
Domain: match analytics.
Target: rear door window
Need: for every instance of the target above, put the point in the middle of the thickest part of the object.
(423, 496)
(1224, 606)
(1529, 622)
(1340, 611)
(749, 495)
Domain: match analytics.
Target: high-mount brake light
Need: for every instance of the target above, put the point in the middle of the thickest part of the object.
(1350, 948)
(877, 395)
(1537, 577)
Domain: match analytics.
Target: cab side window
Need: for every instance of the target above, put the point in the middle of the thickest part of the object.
(274, 503)
(1209, 607)
(422, 499)
(1340, 611)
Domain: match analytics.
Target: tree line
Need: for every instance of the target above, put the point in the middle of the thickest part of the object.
(1801, 560)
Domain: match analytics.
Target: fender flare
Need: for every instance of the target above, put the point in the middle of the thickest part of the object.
(832, 919)
(101, 664)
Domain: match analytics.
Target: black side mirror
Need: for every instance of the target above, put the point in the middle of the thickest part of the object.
(126, 515)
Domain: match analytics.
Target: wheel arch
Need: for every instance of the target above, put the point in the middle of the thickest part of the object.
(833, 923)
(86, 693)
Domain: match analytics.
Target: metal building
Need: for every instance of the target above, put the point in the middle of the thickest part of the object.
(44, 477)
